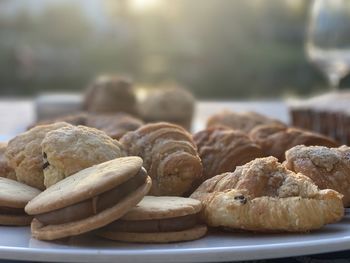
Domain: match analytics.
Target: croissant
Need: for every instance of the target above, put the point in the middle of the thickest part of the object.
(264, 196)
(114, 125)
(327, 167)
(222, 150)
(169, 154)
(244, 121)
(275, 140)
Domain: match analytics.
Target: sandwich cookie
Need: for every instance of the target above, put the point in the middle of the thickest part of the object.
(158, 220)
(89, 199)
(13, 198)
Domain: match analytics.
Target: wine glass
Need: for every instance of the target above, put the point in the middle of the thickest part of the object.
(328, 38)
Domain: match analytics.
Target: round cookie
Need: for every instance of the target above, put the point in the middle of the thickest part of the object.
(158, 220)
(24, 154)
(13, 198)
(89, 199)
(71, 149)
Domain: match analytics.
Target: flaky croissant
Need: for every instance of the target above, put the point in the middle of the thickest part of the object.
(169, 154)
(244, 121)
(221, 150)
(275, 140)
(263, 195)
(327, 167)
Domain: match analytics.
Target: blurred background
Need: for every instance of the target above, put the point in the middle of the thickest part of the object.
(219, 49)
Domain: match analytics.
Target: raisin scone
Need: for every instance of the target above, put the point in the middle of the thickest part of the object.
(24, 154)
(327, 167)
(221, 150)
(244, 121)
(264, 196)
(5, 170)
(275, 140)
(74, 148)
(169, 154)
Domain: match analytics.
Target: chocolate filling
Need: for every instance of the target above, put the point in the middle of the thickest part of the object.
(4, 210)
(94, 205)
(154, 226)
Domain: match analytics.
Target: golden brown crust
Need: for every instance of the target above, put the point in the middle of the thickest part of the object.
(114, 125)
(5, 169)
(222, 150)
(275, 140)
(24, 154)
(264, 196)
(244, 121)
(329, 168)
(111, 93)
(170, 156)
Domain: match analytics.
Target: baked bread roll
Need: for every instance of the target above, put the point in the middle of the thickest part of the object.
(172, 104)
(327, 167)
(169, 155)
(111, 94)
(222, 150)
(114, 125)
(275, 140)
(244, 121)
(264, 196)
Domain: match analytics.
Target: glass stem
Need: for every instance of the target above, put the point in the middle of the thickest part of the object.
(334, 80)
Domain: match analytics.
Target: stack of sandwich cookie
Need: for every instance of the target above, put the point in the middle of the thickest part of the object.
(13, 198)
(89, 199)
(158, 220)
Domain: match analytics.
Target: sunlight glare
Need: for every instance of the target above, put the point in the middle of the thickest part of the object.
(143, 5)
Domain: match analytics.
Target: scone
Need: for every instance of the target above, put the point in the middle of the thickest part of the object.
(89, 199)
(173, 104)
(5, 170)
(275, 140)
(71, 149)
(244, 121)
(110, 94)
(327, 167)
(114, 125)
(264, 196)
(13, 198)
(24, 154)
(161, 219)
(170, 157)
(221, 150)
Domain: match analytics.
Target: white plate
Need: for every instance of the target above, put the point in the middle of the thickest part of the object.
(15, 243)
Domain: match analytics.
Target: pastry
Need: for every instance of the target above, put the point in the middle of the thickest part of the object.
(170, 157)
(244, 121)
(327, 167)
(264, 196)
(74, 119)
(5, 170)
(221, 150)
(115, 125)
(89, 199)
(174, 105)
(24, 154)
(158, 220)
(110, 94)
(71, 149)
(13, 198)
(275, 140)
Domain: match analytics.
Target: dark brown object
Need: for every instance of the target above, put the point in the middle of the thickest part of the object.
(275, 140)
(110, 93)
